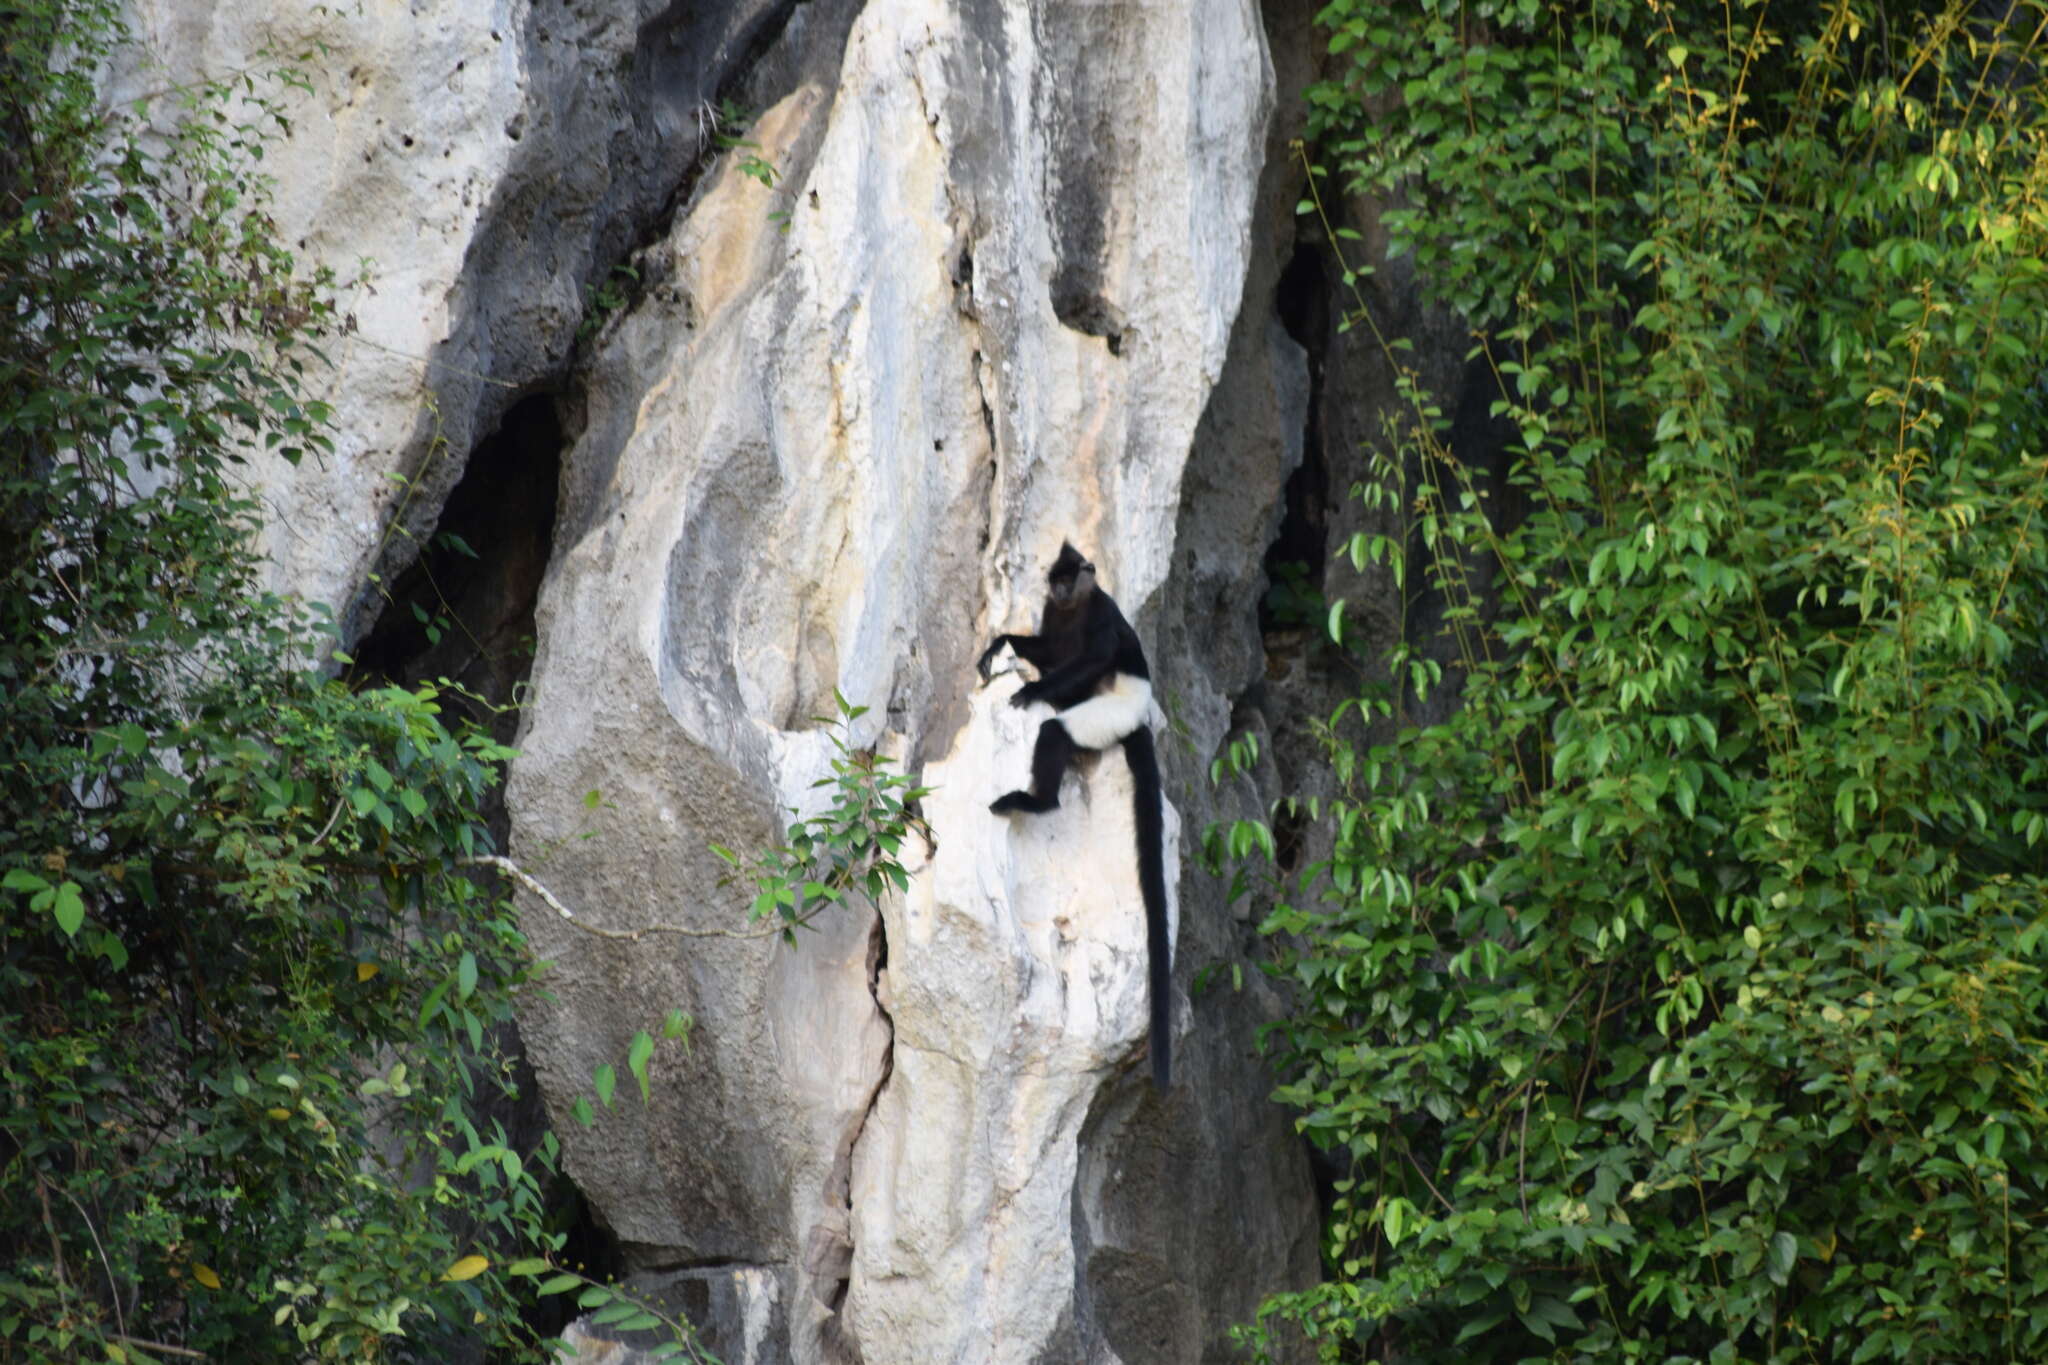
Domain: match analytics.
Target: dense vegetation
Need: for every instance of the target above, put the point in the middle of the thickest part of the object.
(1681, 997)
(251, 998)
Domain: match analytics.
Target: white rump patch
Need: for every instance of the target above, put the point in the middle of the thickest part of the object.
(1105, 718)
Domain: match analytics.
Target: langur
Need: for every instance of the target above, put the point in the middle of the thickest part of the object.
(1091, 670)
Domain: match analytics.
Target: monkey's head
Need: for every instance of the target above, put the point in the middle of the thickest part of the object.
(1071, 578)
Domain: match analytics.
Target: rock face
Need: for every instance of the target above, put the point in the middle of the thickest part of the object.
(982, 276)
(982, 307)
(473, 172)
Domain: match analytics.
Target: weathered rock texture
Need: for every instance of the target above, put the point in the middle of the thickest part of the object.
(749, 445)
(475, 171)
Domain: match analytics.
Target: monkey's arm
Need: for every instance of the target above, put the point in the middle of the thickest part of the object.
(1032, 649)
(1075, 681)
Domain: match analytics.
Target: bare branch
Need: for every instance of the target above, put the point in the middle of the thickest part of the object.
(526, 879)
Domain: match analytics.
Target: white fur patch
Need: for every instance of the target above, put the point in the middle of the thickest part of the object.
(1105, 718)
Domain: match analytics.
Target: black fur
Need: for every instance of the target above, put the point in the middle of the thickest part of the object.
(1049, 761)
(1151, 823)
(1083, 642)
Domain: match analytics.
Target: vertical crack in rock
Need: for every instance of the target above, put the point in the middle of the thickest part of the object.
(1296, 559)
(978, 366)
(828, 1252)
(988, 412)
(686, 94)
(1088, 45)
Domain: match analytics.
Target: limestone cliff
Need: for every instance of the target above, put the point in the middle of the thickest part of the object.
(726, 447)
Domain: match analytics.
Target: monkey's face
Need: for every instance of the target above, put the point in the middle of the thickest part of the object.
(1072, 589)
(1070, 579)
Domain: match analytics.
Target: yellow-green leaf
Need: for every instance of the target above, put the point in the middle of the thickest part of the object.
(205, 1275)
(468, 1268)
(366, 970)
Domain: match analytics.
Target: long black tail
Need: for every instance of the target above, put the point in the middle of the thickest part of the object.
(1151, 823)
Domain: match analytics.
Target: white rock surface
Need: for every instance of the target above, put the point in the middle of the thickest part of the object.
(391, 161)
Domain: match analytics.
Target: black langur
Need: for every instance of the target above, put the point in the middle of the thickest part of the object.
(1091, 669)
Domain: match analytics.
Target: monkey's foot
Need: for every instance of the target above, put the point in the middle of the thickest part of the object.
(1020, 801)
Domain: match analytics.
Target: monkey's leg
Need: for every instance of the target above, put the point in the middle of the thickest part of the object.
(1048, 765)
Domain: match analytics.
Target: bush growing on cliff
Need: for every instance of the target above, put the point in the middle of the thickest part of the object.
(249, 995)
(1681, 998)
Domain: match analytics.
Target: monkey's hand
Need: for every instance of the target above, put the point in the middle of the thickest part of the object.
(988, 655)
(1027, 694)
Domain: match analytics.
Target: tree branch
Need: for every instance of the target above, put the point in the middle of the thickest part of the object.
(505, 865)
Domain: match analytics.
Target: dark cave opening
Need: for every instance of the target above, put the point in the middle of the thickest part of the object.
(1296, 559)
(463, 609)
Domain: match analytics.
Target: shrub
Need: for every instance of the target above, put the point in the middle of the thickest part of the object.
(250, 995)
(1680, 998)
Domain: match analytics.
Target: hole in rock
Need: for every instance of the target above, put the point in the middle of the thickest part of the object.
(1296, 559)
(1083, 310)
(464, 608)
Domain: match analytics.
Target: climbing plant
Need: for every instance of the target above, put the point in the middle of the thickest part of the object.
(1681, 997)
(853, 844)
(253, 995)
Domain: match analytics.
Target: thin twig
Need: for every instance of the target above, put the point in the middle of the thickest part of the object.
(327, 828)
(139, 1344)
(1593, 1058)
(50, 1226)
(526, 879)
(358, 339)
(1425, 1178)
(1522, 1162)
(113, 1290)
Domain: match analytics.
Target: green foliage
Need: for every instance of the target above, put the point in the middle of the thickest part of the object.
(616, 1309)
(1681, 997)
(251, 997)
(852, 845)
(604, 298)
(729, 117)
(1292, 601)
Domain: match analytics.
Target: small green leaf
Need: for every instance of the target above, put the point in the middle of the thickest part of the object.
(1784, 1250)
(69, 909)
(637, 1054)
